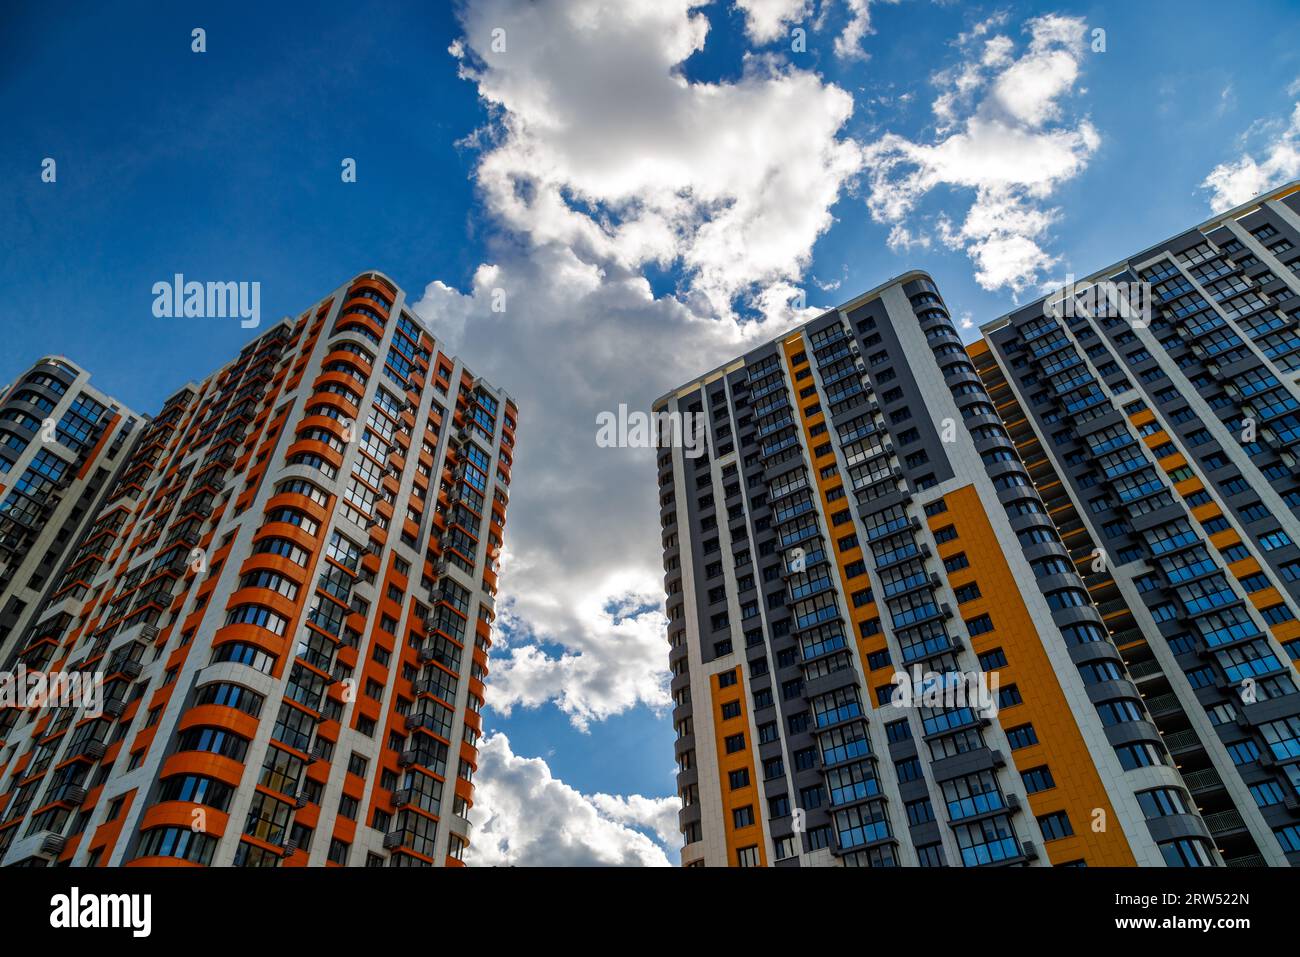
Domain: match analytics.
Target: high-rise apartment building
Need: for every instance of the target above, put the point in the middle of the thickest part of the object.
(289, 592)
(862, 513)
(61, 443)
(1166, 445)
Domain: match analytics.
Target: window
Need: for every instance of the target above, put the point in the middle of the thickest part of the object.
(956, 562)
(1022, 736)
(1037, 779)
(1055, 826)
(1187, 852)
(338, 853)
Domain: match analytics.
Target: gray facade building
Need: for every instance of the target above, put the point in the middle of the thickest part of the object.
(1165, 444)
(861, 512)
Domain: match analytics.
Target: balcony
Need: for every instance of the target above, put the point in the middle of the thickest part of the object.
(1180, 741)
(1201, 781)
(1224, 822)
(1141, 670)
(1163, 704)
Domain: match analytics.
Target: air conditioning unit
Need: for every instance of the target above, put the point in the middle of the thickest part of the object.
(52, 845)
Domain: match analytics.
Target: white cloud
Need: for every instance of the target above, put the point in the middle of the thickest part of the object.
(768, 20)
(659, 815)
(525, 817)
(1000, 132)
(1244, 178)
(848, 44)
(602, 160)
(581, 578)
(901, 239)
(604, 146)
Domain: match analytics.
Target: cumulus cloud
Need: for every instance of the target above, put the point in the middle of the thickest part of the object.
(768, 20)
(581, 620)
(601, 162)
(523, 816)
(848, 44)
(1237, 181)
(1002, 132)
(602, 145)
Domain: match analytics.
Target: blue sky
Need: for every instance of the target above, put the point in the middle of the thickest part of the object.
(670, 231)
